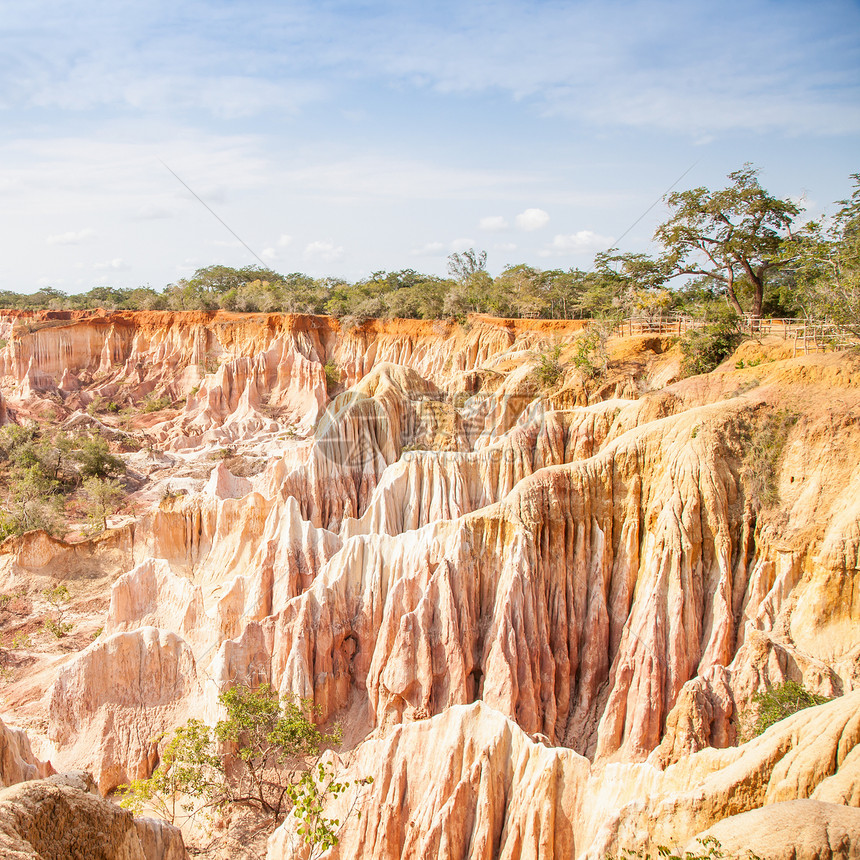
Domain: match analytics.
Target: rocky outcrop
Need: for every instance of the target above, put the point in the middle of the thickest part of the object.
(17, 762)
(60, 819)
(560, 606)
(109, 707)
(466, 784)
(38, 554)
(793, 830)
(248, 373)
(470, 783)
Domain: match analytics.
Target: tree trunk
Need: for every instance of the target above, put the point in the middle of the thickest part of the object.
(730, 293)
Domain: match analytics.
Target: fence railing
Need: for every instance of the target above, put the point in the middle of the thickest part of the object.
(807, 335)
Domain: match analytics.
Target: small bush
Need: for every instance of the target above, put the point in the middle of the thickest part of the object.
(780, 702)
(96, 459)
(102, 498)
(156, 404)
(58, 597)
(264, 755)
(704, 349)
(332, 375)
(58, 628)
(589, 353)
(548, 370)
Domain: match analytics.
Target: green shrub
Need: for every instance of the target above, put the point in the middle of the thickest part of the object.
(274, 764)
(58, 628)
(780, 702)
(703, 349)
(332, 375)
(58, 597)
(95, 405)
(548, 370)
(96, 459)
(21, 640)
(156, 404)
(102, 498)
(589, 349)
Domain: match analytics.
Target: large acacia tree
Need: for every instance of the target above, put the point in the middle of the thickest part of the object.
(728, 236)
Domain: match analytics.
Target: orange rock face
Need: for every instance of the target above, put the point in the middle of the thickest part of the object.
(540, 614)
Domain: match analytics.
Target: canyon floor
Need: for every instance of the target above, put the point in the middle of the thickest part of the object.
(540, 606)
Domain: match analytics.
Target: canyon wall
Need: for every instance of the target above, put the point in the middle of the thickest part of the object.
(541, 614)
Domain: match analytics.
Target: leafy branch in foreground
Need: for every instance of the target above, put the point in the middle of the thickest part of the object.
(265, 756)
(309, 795)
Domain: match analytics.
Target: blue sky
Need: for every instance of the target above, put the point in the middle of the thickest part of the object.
(337, 138)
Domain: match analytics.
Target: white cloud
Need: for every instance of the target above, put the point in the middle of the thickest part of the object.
(431, 249)
(285, 241)
(576, 243)
(493, 223)
(73, 237)
(532, 219)
(269, 254)
(324, 250)
(115, 265)
(462, 244)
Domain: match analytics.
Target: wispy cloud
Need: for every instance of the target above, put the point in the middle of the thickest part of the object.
(73, 237)
(656, 64)
(374, 176)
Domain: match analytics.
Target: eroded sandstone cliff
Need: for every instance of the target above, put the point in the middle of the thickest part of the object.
(568, 597)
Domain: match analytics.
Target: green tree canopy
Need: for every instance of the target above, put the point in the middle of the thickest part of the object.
(825, 260)
(728, 235)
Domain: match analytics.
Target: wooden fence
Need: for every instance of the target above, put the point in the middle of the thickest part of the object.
(807, 335)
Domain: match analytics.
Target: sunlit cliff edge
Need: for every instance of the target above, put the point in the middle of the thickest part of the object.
(539, 611)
